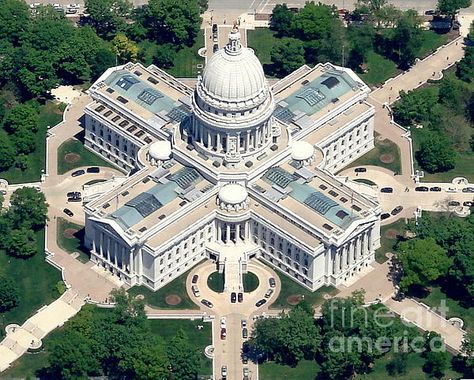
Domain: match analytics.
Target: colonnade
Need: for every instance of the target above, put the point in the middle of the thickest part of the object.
(233, 232)
(113, 253)
(351, 252)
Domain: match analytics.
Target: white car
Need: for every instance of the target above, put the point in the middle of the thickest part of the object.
(269, 293)
(223, 322)
(451, 190)
(224, 371)
(195, 290)
(74, 5)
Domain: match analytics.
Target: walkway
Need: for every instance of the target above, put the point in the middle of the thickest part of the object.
(20, 339)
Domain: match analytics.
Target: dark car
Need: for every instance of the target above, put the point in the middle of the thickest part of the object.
(261, 302)
(454, 203)
(215, 47)
(360, 170)
(77, 173)
(93, 169)
(397, 210)
(195, 279)
(74, 199)
(430, 12)
(435, 188)
(223, 333)
(386, 190)
(207, 303)
(245, 359)
(468, 204)
(421, 188)
(74, 194)
(272, 282)
(233, 297)
(245, 333)
(68, 212)
(240, 297)
(468, 190)
(384, 216)
(214, 28)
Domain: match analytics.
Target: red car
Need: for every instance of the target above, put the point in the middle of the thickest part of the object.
(223, 334)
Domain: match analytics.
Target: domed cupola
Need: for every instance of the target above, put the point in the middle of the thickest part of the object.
(232, 105)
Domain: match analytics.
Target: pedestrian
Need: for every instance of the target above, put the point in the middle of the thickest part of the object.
(447, 58)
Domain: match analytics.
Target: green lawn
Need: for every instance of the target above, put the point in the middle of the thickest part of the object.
(379, 69)
(50, 115)
(388, 244)
(414, 370)
(167, 328)
(73, 244)
(430, 42)
(157, 299)
(250, 281)
(366, 181)
(36, 280)
(455, 309)
(305, 370)
(290, 287)
(262, 40)
(215, 281)
(87, 158)
(464, 168)
(187, 59)
(373, 157)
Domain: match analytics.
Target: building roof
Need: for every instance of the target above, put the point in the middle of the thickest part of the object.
(160, 150)
(233, 194)
(301, 150)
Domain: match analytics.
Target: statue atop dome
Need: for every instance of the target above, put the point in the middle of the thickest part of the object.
(234, 46)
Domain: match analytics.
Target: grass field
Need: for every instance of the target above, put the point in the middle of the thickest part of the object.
(167, 328)
(73, 244)
(187, 59)
(290, 288)
(430, 42)
(36, 280)
(388, 244)
(464, 168)
(87, 158)
(373, 157)
(158, 299)
(305, 370)
(262, 40)
(250, 282)
(379, 69)
(215, 281)
(49, 115)
(455, 309)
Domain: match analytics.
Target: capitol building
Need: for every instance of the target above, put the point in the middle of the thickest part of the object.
(231, 170)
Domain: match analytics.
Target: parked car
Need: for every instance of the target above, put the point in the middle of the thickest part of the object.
(77, 173)
(194, 279)
(360, 170)
(223, 323)
(207, 303)
(386, 190)
(74, 194)
(272, 282)
(245, 359)
(245, 333)
(243, 323)
(435, 188)
(430, 12)
(468, 204)
(468, 190)
(261, 302)
(397, 210)
(74, 199)
(93, 169)
(451, 190)
(223, 333)
(269, 293)
(68, 212)
(454, 203)
(421, 188)
(384, 216)
(214, 28)
(246, 373)
(240, 297)
(233, 297)
(195, 290)
(71, 11)
(224, 371)
(215, 47)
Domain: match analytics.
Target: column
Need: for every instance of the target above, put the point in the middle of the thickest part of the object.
(200, 133)
(130, 262)
(209, 141)
(227, 233)
(219, 146)
(239, 148)
(359, 247)
(219, 232)
(340, 255)
(247, 147)
(247, 231)
(93, 245)
(116, 251)
(237, 232)
(101, 243)
(109, 242)
(140, 262)
(366, 244)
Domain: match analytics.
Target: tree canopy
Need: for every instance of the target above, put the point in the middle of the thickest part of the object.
(287, 56)
(9, 295)
(451, 7)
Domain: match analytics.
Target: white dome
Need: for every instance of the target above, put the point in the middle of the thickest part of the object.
(301, 150)
(234, 74)
(233, 194)
(160, 150)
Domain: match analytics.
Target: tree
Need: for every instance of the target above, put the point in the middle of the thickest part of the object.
(406, 38)
(436, 153)
(423, 261)
(281, 20)
(176, 22)
(103, 59)
(124, 48)
(453, 93)
(7, 153)
(9, 295)
(465, 67)
(164, 56)
(361, 40)
(436, 363)
(28, 208)
(108, 16)
(21, 243)
(22, 116)
(287, 56)
(451, 7)
(415, 107)
(467, 349)
(398, 364)
(183, 357)
(14, 19)
(24, 140)
(313, 22)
